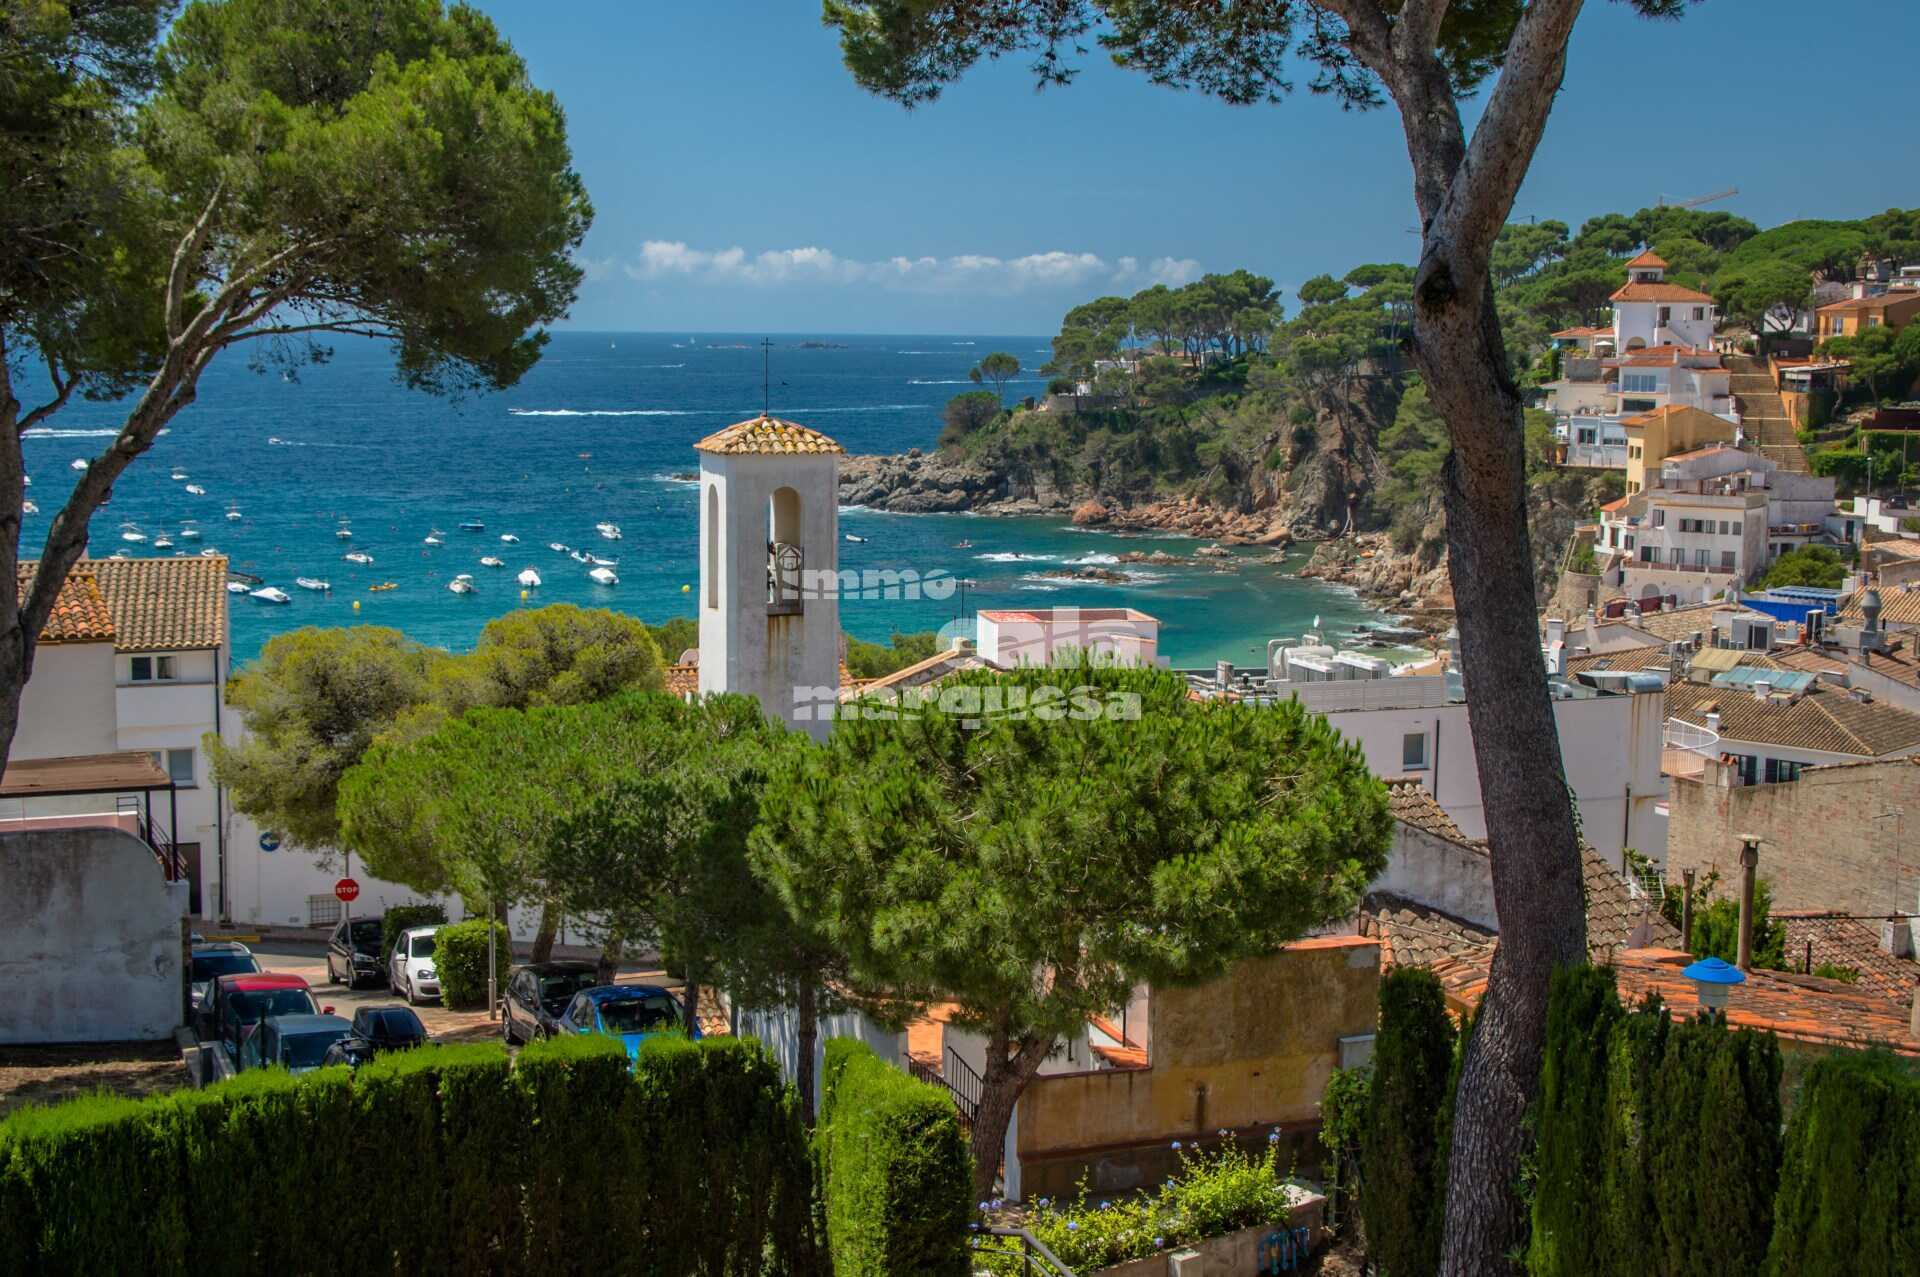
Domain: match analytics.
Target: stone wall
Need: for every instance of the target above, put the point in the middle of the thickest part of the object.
(92, 943)
(1826, 840)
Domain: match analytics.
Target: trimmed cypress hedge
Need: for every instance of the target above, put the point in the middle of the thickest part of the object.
(1658, 1143)
(454, 1161)
(895, 1169)
(460, 956)
(1409, 1112)
(1849, 1200)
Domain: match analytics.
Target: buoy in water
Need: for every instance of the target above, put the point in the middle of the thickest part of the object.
(523, 596)
(686, 589)
(356, 605)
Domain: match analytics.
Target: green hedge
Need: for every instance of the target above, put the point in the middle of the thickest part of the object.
(1849, 1200)
(1658, 1142)
(404, 917)
(894, 1167)
(460, 956)
(446, 1159)
(1402, 1142)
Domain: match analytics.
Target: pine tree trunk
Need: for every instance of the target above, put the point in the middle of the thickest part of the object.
(549, 927)
(690, 1000)
(1516, 746)
(806, 1004)
(611, 952)
(1001, 1085)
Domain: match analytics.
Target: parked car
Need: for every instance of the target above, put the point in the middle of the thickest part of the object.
(350, 1051)
(537, 995)
(631, 1012)
(239, 1003)
(218, 958)
(410, 971)
(388, 1028)
(353, 952)
(296, 1043)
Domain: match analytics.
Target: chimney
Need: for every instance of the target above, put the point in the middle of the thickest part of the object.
(1556, 630)
(1896, 937)
(1713, 721)
(1686, 910)
(1223, 674)
(1749, 861)
(1913, 1023)
(1762, 689)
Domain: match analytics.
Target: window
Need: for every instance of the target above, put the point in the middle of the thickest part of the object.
(1666, 314)
(1699, 312)
(1781, 770)
(1640, 382)
(1413, 751)
(1629, 542)
(1659, 518)
(1748, 766)
(1736, 527)
(153, 669)
(1679, 556)
(178, 764)
(1726, 560)
(1873, 321)
(1700, 558)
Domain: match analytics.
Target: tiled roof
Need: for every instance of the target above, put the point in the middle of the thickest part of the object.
(1636, 660)
(1619, 503)
(161, 605)
(764, 434)
(1850, 942)
(79, 615)
(682, 680)
(920, 673)
(1796, 1007)
(1869, 303)
(1706, 451)
(1658, 293)
(1821, 719)
(1897, 548)
(1897, 607)
(1584, 331)
(1410, 801)
(1648, 259)
(1679, 622)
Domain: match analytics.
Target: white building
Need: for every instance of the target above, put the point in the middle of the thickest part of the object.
(1048, 636)
(769, 553)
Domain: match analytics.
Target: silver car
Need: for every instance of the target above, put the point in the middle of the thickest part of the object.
(410, 971)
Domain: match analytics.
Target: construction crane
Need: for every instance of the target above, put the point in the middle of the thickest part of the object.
(1697, 201)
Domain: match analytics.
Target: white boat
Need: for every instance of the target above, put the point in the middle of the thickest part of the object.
(599, 562)
(189, 534)
(312, 583)
(178, 475)
(196, 490)
(27, 480)
(131, 533)
(509, 538)
(118, 554)
(530, 578)
(345, 534)
(358, 556)
(236, 587)
(209, 553)
(78, 463)
(604, 576)
(269, 594)
(28, 507)
(163, 542)
(462, 584)
(611, 531)
(473, 525)
(233, 515)
(856, 540)
(489, 561)
(559, 548)
(431, 540)
(579, 556)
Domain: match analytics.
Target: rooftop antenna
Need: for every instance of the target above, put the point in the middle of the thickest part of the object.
(1697, 200)
(766, 376)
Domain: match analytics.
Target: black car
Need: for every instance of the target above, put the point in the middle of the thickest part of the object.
(352, 1052)
(537, 994)
(388, 1028)
(353, 952)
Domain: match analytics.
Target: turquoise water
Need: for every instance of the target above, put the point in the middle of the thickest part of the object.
(597, 431)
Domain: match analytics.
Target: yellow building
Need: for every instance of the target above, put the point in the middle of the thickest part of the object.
(1848, 318)
(1654, 436)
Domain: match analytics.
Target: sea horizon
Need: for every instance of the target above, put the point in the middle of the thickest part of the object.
(601, 429)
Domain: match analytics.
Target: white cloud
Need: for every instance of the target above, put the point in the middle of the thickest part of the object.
(664, 259)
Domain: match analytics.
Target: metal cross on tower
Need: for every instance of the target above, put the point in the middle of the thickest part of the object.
(766, 376)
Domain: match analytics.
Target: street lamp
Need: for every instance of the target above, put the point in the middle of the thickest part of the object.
(1713, 979)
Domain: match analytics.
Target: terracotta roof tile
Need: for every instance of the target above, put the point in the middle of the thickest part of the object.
(1850, 942)
(1823, 719)
(1679, 622)
(1652, 658)
(1648, 259)
(764, 434)
(80, 613)
(1584, 331)
(1897, 607)
(1869, 303)
(1410, 801)
(162, 605)
(1658, 293)
(682, 680)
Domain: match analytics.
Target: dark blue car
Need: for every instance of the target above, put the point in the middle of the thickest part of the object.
(631, 1012)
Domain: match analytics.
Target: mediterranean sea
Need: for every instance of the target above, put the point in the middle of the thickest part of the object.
(598, 431)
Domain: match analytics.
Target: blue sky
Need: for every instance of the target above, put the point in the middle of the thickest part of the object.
(742, 182)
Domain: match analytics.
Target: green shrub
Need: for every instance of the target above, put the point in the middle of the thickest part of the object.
(1343, 1117)
(460, 956)
(895, 1169)
(65, 1180)
(1211, 1195)
(1847, 1201)
(403, 917)
(580, 1139)
(1402, 1209)
(1581, 1015)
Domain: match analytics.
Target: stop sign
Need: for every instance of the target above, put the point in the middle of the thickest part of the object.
(346, 889)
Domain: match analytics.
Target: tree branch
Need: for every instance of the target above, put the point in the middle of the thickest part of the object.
(1368, 33)
(62, 393)
(189, 248)
(1417, 29)
(348, 327)
(1481, 193)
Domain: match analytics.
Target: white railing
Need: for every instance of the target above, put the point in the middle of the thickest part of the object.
(1691, 737)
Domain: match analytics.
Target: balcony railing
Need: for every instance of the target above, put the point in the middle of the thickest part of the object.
(1691, 737)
